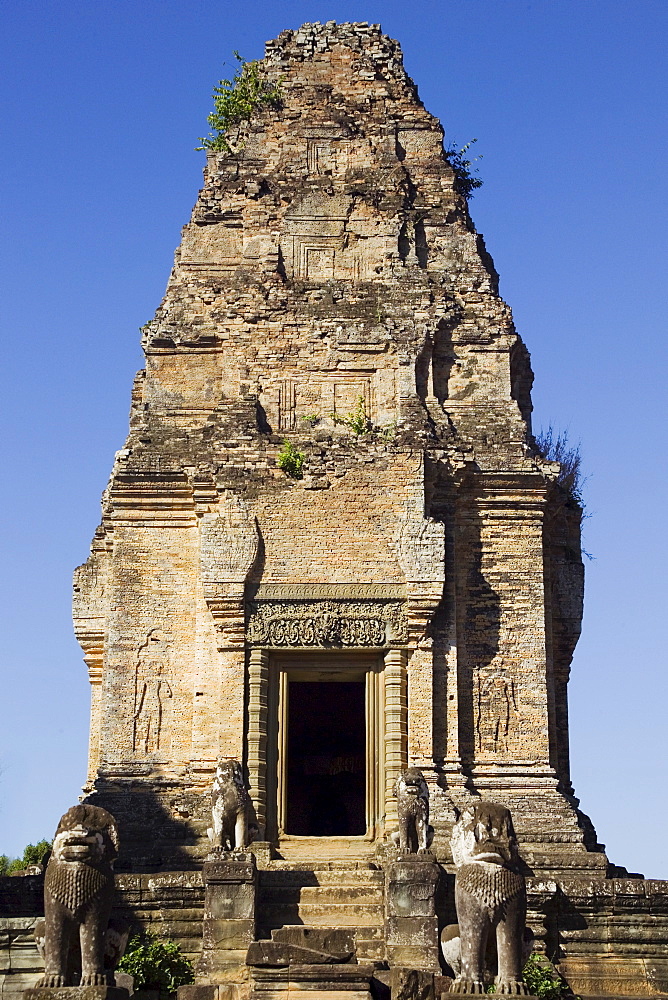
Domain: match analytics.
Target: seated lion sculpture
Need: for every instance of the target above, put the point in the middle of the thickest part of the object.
(78, 895)
(230, 808)
(415, 834)
(490, 895)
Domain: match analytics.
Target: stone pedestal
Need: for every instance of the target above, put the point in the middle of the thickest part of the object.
(76, 993)
(230, 880)
(411, 925)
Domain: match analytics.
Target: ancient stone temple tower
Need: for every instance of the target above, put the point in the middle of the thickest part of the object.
(413, 594)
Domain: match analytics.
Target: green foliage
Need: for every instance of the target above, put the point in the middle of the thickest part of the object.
(555, 448)
(542, 979)
(466, 181)
(291, 460)
(32, 855)
(312, 419)
(156, 965)
(358, 422)
(236, 101)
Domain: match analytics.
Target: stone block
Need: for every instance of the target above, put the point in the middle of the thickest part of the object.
(229, 869)
(230, 901)
(339, 941)
(407, 983)
(231, 933)
(412, 888)
(278, 953)
(420, 932)
(204, 991)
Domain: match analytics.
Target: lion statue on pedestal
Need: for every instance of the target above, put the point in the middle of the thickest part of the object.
(78, 895)
(490, 895)
(415, 834)
(230, 808)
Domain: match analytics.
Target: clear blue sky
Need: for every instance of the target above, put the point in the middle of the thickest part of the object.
(102, 106)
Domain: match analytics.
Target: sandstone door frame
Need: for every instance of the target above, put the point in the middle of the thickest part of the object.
(270, 671)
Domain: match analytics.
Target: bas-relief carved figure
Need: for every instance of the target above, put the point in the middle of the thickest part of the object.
(412, 793)
(490, 897)
(230, 807)
(496, 710)
(78, 895)
(152, 692)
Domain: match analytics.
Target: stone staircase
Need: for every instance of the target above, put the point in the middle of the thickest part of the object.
(315, 894)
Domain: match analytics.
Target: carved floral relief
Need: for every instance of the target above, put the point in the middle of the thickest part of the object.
(326, 623)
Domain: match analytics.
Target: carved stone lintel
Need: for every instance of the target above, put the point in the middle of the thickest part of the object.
(326, 623)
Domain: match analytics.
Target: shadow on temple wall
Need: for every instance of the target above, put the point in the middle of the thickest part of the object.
(256, 571)
(159, 830)
(483, 688)
(434, 364)
(470, 609)
(560, 916)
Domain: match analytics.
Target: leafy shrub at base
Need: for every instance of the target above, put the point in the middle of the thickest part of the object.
(156, 965)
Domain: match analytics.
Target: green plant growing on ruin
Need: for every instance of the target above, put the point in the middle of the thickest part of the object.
(237, 100)
(357, 421)
(466, 181)
(543, 980)
(555, 447)
(291, 460)
(156, 965)
(312, 419)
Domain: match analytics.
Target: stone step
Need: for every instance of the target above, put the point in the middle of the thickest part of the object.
(323, 895)
(322, 876)
(335, 915)
(320, 864)
(326, 849)
(338, 982)
(342, 914)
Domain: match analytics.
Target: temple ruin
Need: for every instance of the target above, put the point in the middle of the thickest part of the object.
(404, 589)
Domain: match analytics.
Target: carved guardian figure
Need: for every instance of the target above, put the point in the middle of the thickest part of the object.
(412, 794)
(490, 895)
(78, 894)
(230, 806)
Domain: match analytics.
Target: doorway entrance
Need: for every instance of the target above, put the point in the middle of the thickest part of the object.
(326, 766)
(325, 745)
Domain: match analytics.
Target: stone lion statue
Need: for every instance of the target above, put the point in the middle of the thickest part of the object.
(415, 834)
(230, 808)
(490, 895)
(78, 894)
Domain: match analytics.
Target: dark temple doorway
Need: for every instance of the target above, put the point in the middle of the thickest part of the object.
(326, 767)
